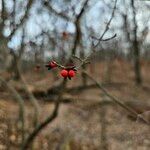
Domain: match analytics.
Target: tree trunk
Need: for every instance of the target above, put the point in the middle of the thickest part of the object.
(136, 49)
(84, 77)
(137, 67)
(14, 65)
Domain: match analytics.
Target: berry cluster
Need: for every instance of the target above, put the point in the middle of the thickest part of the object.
(66, 72)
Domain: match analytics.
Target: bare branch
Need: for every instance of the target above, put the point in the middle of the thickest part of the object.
(22, 46)
(107, 39)
(128, 109)
(3, 17)
(107, 25)
(41, 126)
(23, 19)
(78, 33)
(52, 10)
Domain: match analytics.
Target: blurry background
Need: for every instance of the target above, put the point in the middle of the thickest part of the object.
(34, 32)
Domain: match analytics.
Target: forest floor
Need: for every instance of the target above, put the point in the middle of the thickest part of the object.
(82, 124)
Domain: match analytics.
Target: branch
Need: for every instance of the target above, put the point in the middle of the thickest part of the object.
(41, 126)
(52, 10)
(3, 17)
(128, 109)
(23, 19)
(126, 27)
(22, 46)
(3, 12)
(31, 137)
(78, 33)
(77, 21)
(107, 25)
(83, 62)
(107, 39)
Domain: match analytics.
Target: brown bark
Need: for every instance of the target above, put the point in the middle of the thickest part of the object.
(136, 48)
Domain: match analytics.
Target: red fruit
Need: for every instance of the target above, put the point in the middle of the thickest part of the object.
(71, 73)
(65, 35)
(64, 73)
(52, 64)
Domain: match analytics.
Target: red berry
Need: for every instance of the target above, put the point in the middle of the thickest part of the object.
(71, 73)
(64, 73)
(65, 35)
(52, 64)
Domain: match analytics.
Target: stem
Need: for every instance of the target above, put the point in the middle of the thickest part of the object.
(128, 109)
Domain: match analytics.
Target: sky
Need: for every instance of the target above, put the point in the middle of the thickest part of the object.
(93, 18)
(96, 17)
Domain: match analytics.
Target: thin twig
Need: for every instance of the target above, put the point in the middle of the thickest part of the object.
(128, 109)
(107, 25)
(23, 19)
(47, 4)
(107, 39)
